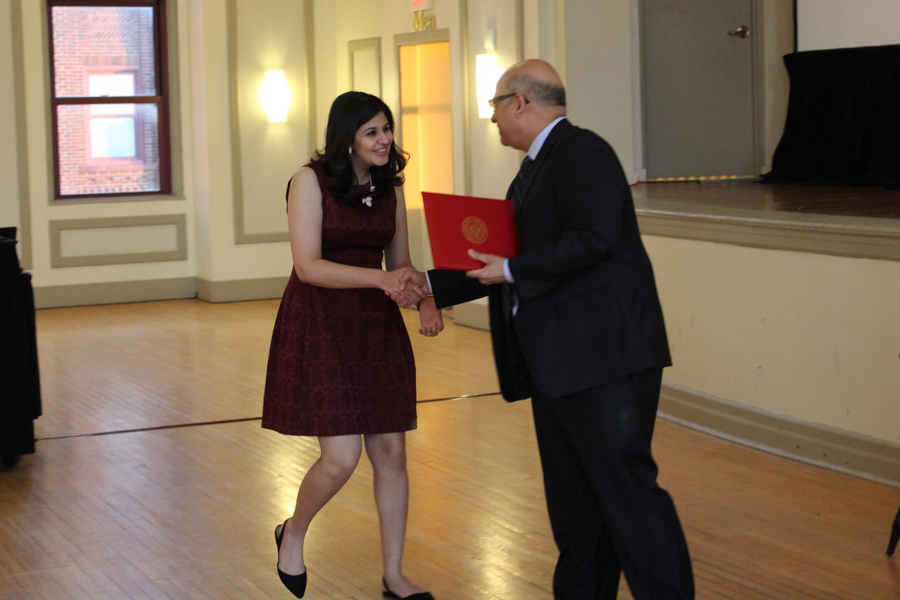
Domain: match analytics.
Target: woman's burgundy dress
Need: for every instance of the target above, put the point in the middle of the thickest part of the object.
(340, 361)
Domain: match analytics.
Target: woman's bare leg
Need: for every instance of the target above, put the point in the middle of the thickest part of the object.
(387, 452)
(325, 478)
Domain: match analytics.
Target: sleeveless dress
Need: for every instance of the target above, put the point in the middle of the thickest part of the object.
(340, 361)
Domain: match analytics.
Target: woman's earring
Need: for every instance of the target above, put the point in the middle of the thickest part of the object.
(350, 150)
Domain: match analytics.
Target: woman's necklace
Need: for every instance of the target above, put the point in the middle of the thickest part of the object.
(368, 199)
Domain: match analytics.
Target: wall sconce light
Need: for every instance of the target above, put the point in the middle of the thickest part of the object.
(487, 72)
(275, 96)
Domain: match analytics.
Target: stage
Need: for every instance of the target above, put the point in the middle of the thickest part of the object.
(840, 201)
(858, 222)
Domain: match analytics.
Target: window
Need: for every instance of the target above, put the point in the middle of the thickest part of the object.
(109, 98)
(113, 127)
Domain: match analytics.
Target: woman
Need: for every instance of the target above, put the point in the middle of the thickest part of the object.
(340, 364)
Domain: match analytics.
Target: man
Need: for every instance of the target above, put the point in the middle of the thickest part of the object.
(577, 325)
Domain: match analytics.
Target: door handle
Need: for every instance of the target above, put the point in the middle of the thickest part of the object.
(742, 32)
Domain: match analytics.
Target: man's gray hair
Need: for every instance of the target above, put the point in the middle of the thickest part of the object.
(537, 91)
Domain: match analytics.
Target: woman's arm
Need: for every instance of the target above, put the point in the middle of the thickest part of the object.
(396, 255)
(305, 229)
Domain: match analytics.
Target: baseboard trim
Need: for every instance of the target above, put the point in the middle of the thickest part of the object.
(241, 290)
(122, 292)
(847, 452)
(117, 292)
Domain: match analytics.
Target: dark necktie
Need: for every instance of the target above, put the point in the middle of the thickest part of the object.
(521, 181)
(510, 298)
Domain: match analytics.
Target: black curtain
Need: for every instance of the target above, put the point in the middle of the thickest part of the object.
(843, 120)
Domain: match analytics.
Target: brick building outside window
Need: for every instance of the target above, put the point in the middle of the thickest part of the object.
(110, 103)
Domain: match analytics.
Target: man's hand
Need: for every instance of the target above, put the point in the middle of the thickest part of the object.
(491, 272)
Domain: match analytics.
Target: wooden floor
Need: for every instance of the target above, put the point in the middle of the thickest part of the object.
(842, 201)
(153, 479)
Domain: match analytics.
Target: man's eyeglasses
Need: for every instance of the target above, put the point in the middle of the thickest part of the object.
(497, 99)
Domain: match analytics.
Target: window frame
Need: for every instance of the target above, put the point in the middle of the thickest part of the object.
(160, 100)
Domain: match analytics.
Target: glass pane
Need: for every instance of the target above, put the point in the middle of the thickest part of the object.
(121, 84)
(96, 41)
(108, 153)
(113, 138)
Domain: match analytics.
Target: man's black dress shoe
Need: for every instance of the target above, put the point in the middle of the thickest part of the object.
(387, 593)
(296, 584)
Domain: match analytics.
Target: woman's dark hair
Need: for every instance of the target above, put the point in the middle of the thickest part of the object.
(349, 112)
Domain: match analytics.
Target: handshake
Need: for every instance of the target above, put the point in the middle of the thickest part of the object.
(409, 287)
(406, 286)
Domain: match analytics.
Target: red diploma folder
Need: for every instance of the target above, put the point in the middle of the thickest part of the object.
(458, 223)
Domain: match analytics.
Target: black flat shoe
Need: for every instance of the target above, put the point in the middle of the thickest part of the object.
(296, 584)
(387, 593)
(895, 535)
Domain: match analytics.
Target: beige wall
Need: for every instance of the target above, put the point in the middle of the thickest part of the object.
(268, 153)
(490, 164)
(808, 336)
(600, 75)
(12, 210)
(33, 139)
(241, 163)
(9, 165)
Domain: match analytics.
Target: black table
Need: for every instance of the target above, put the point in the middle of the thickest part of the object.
(20, 393)
(843, 119)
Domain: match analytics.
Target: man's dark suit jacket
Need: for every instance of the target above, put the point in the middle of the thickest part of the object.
(588, 310)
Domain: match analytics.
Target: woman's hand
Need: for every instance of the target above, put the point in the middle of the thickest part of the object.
(406, 286)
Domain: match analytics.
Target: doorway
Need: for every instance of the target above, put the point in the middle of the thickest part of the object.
(698, 88)
(425, 133)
